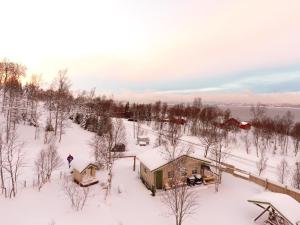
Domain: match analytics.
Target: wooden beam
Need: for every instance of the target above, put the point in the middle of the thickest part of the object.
(267, 209)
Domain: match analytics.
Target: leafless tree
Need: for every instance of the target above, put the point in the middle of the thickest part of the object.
(283, 171)
(76, 194)
(218, 154)
(247, 142)
(2, 176)
(103, 147)
(261, 164)
(296, 176)
(208, 140)
(13, 162)
(180, 199)
(62, 101)
(258, 112)
(296, 138)
(48, 160)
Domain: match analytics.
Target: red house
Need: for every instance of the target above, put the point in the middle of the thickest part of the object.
(245, 125)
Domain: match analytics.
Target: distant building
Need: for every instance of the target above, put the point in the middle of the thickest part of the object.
(119, 148)
(143, 140)
(234, 123)
(245, 125)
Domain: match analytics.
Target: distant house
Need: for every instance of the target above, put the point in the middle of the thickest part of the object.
(179, 121)
(119, 148)
(245, 125)
(84, 173)
(232, 122)
(157, 172)
(143, 140)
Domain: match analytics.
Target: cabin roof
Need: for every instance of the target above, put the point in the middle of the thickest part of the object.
(156, 158)
(81, 165)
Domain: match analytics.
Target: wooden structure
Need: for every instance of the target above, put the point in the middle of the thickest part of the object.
(157, 172)
(245, 125)
(84, 174)
(282, 209)
(143, 140)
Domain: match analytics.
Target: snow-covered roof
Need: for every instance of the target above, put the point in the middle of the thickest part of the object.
(143, 137)
(80, 165)
(142, 143)
(284, 204)
(157, 157)
(244, 123)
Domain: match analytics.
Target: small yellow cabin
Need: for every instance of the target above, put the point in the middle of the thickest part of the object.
(84, 174)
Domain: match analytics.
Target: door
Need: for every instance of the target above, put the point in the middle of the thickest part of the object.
(159, 179)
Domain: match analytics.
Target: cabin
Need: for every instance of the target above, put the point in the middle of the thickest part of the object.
(231, 123)
(245, 125)
(84, 174)
(158, 172)
(143, 140)
(119, 148)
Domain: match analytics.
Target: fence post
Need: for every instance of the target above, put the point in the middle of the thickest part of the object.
(266, 184)
(134, 163)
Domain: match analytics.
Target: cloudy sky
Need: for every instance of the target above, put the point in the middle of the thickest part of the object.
(222, 50)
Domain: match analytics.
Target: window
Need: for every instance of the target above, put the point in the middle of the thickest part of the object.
(170, 174)
(183, 172)
(145, 170)
(195, 170)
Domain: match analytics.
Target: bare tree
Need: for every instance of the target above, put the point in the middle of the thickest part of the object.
(283, 171)
(3, 188)
(13, 162)
(295, 133)
(247, 142)
(296, 176)
(180, 199)
(103, 147)
(218, 154)
(61, 101)
(48, 160)
(261, 164)
(258, 112)
(208, 140)
(76, 194)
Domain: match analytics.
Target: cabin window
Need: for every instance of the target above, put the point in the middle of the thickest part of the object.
(195, 170)
(170, 174)
(183, 172)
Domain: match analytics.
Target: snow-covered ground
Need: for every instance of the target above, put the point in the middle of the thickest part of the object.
(133, 206)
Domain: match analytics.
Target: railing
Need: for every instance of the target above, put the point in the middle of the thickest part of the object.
(267, 184)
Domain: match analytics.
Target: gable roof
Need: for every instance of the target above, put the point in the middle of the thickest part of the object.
(156, 158)
(81, 165)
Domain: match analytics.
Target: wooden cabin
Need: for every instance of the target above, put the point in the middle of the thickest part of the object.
(84, 174)
(157, 172)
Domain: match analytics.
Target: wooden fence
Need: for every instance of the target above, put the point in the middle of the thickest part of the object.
(268, 185)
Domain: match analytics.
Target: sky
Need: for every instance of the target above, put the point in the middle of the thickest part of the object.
(221, 50)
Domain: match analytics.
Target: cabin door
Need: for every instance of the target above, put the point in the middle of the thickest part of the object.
(159, 179)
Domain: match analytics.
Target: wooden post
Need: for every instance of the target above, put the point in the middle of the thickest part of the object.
(134, 163)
